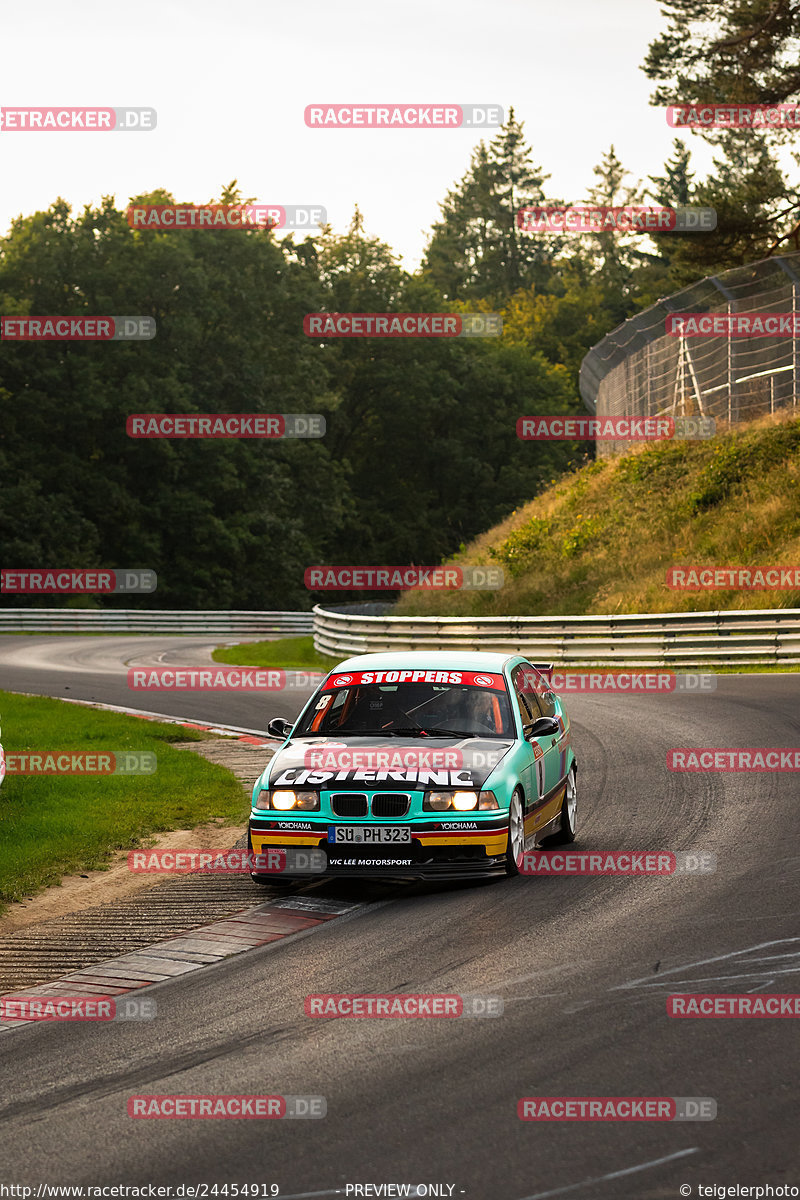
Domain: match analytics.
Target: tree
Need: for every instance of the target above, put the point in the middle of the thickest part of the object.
(753, 202)
(425, 427)
(476, 250)
(716, 51)
(592, 287)
(676, 185)
(615, 254)
(224, 523)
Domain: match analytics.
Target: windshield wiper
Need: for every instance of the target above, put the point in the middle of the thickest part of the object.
(462, 733)
(334, 733)
(407, 731)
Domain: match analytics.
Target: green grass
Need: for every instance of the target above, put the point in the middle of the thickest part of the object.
(600, 540)
(58, 825)
(286, 654)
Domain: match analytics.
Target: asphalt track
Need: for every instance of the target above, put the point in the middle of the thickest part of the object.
(582, 964)
(95, 668)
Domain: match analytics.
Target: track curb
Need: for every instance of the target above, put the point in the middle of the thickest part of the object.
(269, 922)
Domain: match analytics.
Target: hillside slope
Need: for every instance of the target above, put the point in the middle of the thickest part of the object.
(601, 540)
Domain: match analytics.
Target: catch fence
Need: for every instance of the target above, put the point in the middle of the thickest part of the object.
(640, 370)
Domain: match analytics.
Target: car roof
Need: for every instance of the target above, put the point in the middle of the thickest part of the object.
(465, 660)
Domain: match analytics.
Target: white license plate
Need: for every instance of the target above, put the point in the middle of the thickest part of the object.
(368, 834)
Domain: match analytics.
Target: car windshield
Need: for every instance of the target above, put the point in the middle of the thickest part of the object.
(411, 709)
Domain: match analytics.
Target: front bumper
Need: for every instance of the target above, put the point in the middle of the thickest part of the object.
(432, 853)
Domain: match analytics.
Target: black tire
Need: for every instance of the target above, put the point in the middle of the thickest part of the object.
(516, 834)
(566, 834)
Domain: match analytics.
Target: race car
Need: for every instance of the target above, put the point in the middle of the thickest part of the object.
(444, 765)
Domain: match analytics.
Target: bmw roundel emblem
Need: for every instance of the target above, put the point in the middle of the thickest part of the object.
(484, 680)
(342, 680)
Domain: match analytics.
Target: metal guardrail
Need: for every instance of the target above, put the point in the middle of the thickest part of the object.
(152, 620)
(755, 636)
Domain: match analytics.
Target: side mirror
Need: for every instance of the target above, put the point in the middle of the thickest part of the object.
(543, 727)
(279, 728)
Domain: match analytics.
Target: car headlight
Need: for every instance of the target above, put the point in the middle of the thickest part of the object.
(283, 799)
(464, 801)
(458, 801)
(436, 801)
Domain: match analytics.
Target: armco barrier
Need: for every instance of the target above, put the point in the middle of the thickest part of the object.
(755, 636)
(155, 621)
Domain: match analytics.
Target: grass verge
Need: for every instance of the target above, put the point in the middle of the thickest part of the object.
(54, 825)
(600, 540)
(285, 654)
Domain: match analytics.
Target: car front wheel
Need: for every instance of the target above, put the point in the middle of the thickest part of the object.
(569, 810)
(516, 835)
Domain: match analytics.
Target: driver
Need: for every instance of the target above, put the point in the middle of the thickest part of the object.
(481, 712)
(465, 709)
(373, 709)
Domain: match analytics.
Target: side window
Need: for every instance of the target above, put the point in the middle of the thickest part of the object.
(536, 691)
(527, 710)
(333, 714)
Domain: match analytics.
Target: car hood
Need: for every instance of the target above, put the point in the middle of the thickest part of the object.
(390, 764)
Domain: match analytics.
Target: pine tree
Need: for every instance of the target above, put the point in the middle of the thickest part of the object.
(675, 187)
(477, 250)
(614, 255)
(717, 52)
(713, 50)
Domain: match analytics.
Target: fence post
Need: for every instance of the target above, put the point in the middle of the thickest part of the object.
(789, 270)
(733, 407)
